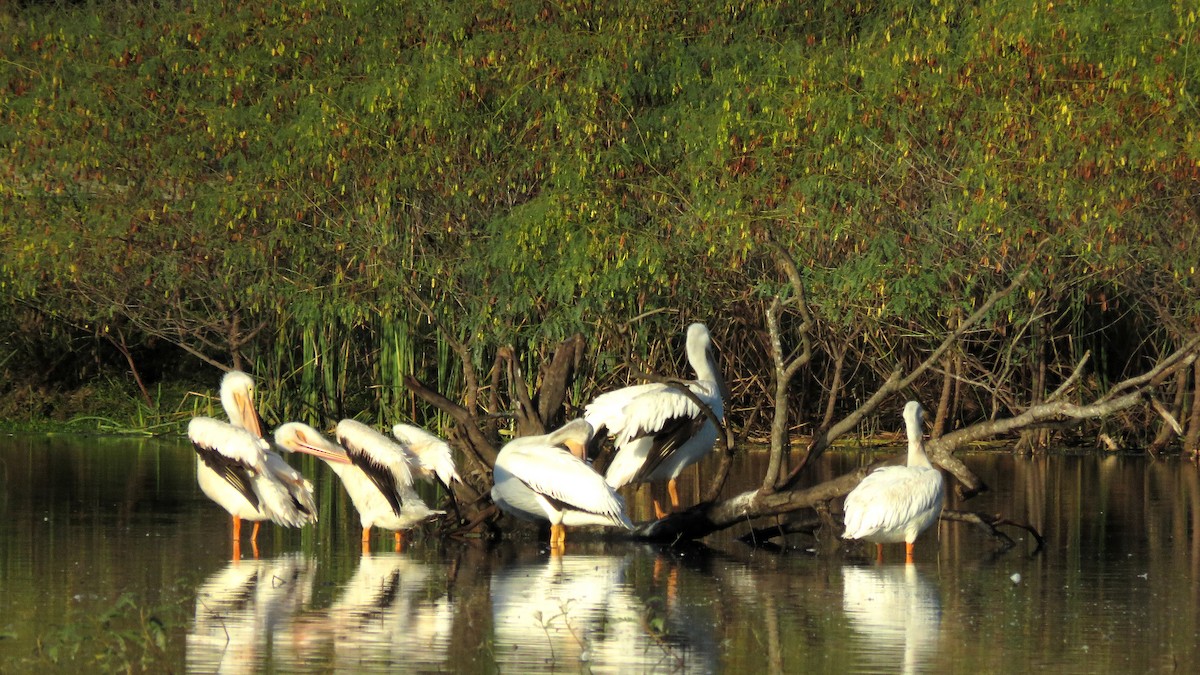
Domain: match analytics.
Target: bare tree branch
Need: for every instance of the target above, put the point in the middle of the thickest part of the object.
(709, 517)
(897, 382)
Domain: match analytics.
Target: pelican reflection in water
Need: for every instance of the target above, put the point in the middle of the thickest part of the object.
(566, 611)
(246, 612)
(552, 611)
(386, 617)
(897, 611)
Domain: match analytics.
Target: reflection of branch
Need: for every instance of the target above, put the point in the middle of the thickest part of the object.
(991, 524)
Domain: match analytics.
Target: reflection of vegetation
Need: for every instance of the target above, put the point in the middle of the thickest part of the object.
(124, 637)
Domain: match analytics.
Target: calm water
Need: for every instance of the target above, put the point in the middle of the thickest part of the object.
(111, 558)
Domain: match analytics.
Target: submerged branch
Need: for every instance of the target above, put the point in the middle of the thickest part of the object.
(991, 525)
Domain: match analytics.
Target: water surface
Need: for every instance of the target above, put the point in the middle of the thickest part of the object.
(111, 558)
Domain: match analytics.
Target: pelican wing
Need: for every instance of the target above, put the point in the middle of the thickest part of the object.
(234, 471)
(232, 453)
(552, 471)
(379, 474)
(608, 409)
(675, 432)
(651, 423)
(299, 490)
(890, 499)
(380, 458)
(432, 454)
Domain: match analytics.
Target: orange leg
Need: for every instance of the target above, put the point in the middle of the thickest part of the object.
(674, 493)
(254, 538)
(908, 552)
(237, 550)
(399, 541)
(659, 512)
(366, 541)
(558, 538)
(879, 553)
(237, 528)
(672, 582)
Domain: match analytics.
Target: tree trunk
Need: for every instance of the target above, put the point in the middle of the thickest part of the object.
(1191, 442)
(943, 407)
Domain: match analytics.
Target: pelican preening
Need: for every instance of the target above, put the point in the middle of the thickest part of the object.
(374, 469)
(896, 503)
(234, 471)
(545, 478)
(237, 399)
(658, 430)
(237, 469)
(431, 455)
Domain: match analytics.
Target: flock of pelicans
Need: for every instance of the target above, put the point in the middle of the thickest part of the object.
(657, 431)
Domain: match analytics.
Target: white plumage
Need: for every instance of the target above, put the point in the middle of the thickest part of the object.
(544, 478)
(374, 470)
(246, 615)
(658, 430)
(240, 472)
(234, 470)
(237, 398)
(896, 503)
(432, 455)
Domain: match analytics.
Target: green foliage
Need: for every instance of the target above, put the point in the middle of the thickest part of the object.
(331, 174)
(124, 637)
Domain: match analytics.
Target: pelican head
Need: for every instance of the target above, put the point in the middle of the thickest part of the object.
(914, 419)
(298, 437)
(574, 436)
(700, 355)
(237, 397)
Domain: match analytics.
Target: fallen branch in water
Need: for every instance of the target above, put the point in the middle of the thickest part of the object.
(991, 524)
(706, 518)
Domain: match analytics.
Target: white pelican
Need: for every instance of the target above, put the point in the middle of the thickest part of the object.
(896, 503)
(431, 454)
(394, 610)
(237, 398)
(545, 478)
(374, 470)
(657, 430)
(233, 469)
